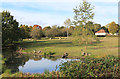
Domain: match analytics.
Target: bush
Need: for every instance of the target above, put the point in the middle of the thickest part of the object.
(92, 67)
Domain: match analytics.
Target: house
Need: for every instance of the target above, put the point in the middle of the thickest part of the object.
(37, 26)
(101, 32)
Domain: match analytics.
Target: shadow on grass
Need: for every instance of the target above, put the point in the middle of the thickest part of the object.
(32, 44)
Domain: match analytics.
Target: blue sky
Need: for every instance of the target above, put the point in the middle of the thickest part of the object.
(55, 12)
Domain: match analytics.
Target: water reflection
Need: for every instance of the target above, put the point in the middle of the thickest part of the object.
(31, 63)
(14, 60)
(40, 66)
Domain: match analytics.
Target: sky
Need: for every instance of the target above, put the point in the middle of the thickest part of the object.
(55, 12)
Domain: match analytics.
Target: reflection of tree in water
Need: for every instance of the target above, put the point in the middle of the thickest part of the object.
(38, 57)
(53, 58)
(35, 57)
(14, 60)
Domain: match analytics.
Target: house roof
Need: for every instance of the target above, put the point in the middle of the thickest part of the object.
(101, 31)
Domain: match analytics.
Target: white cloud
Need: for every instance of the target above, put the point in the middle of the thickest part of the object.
(42, 19)
(103, 14)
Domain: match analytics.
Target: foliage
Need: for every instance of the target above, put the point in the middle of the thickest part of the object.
(71, 30)
(49, 53)
(106, 29)
(89, 67)
(63, 31)
(96, 27)
(84, 28)
(36, 33)
(0, 30)
(92, 67)
(113, 27)
(10, 31)
(83, 35)
(83, 13)
(25, 31)
(54, 31)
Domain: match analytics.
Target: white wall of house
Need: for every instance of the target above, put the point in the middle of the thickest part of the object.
(100, 33)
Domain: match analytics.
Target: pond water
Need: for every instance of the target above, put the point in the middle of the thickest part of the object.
(31, 63)
(40, 66)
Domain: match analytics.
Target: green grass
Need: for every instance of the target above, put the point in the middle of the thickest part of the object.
(107, 46)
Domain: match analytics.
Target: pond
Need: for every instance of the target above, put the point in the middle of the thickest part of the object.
(31, 63)
(40, 66)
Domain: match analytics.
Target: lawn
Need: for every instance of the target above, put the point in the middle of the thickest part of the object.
(107, 46)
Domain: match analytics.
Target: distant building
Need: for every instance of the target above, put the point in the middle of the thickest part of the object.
(37, 26)
(101, 32)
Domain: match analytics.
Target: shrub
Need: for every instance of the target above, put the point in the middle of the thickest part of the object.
(92, 67)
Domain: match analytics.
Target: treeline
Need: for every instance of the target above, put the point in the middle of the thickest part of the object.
(81, 27)
(54, 31)
(12, 32)
(61, 31)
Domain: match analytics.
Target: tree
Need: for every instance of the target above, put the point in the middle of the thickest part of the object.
(83, 33)
(113, 27)
(0, 30)
(90, 25)
(96, 27)
(51, 33)
(46, 28)
(36, 33)
(10, 30)
(25, 30)
(63, 31)
(106, 29)
(67, 23)
(83, 13)
(71, 30)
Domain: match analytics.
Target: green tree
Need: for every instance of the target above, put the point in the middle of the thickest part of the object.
(36, 33)
(90, 25)
(112, 27)
(83, 33)
(63, 31)
(96, 27)
(71, 30)
(83, 13)
(25, 30)
(0, 31)
(46, 28)
(10, 31)
(51, 33)
(106, 29)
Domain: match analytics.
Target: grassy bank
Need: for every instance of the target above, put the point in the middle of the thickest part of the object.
(107, 46)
